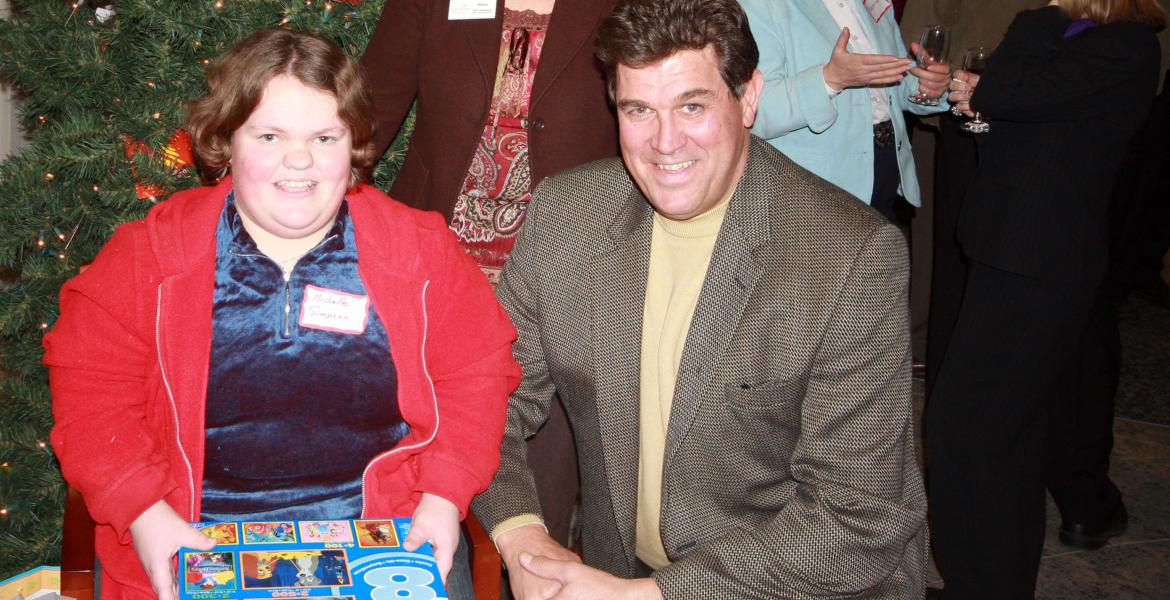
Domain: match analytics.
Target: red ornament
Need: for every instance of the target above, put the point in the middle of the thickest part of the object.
(176, 155)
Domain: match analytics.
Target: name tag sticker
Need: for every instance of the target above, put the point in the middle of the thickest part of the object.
(462, 10)
(331, 310)
(877, 8)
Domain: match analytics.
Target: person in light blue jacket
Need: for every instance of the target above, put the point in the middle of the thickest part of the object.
(836, 79)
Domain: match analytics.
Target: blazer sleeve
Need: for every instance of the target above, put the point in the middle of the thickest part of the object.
(468, 340)
(856, 507)
(99, 356)
(791, 99)
(513, 491)
(1036, 75)
(391, 65)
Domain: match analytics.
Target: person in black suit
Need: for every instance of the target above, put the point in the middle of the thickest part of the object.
(1064, 92)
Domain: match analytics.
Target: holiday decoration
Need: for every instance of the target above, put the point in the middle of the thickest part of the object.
(101, 88)
(176, 155)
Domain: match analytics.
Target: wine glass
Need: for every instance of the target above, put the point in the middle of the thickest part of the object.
(935, 43)
(975, 61)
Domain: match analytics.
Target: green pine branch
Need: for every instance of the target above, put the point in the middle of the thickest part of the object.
(84, 89)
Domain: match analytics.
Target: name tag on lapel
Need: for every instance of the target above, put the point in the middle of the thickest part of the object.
(877, 8)
(331, 310)
(462, 10)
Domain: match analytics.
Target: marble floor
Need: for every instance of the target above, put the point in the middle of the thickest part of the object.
(1135, 565)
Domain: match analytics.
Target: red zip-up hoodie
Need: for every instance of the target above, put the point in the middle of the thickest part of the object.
(129, 357)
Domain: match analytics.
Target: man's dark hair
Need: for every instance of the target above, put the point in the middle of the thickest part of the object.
(642, 32)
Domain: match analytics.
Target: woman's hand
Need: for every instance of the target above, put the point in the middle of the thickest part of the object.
(847, 70)
(962, 86)
(934, 78)
(158, 533)
(436, 520)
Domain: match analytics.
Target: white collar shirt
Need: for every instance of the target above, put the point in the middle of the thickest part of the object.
(849, 13)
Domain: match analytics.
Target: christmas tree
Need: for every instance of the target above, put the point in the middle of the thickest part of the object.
(101, 88)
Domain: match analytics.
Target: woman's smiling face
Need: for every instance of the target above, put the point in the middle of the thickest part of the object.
(291, 160)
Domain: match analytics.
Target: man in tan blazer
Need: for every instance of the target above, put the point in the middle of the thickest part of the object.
(728, 335)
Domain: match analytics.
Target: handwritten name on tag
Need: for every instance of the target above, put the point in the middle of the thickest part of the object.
(331, 310)
(461, 10)
(877, 8)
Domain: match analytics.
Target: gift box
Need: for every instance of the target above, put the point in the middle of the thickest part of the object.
(41, 583)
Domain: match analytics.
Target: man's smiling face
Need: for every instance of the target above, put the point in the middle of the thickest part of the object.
(684, 136)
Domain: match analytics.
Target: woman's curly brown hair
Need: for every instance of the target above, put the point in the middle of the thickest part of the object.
(236, 82)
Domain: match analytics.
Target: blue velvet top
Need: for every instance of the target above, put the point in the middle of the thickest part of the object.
(294, 413)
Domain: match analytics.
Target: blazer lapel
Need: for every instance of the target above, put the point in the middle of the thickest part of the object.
(567, 36)
(617, 287)
(483, 35)
(728, 285)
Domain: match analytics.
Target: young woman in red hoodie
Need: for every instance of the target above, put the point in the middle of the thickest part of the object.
(285, 344)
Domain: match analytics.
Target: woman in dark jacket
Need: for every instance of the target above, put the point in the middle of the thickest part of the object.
(506, 97)
(1064, 92)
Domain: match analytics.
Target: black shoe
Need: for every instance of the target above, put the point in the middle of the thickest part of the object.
(1085, 537)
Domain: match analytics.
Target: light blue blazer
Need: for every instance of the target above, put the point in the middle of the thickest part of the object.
(832, 137)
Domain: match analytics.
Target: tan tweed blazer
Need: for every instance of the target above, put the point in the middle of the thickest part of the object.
(790, 468)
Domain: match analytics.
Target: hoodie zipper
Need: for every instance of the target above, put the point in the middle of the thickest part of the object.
(287, 275)
(287, 304)
(174, 407)
(434, 401)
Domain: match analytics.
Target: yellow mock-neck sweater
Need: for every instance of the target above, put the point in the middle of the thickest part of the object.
(680, 252)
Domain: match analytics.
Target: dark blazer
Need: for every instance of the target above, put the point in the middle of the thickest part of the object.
(1062, 114)
(450, 67)
(790, 469)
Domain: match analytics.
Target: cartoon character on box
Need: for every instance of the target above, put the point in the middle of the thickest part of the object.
(376, 533)
(257, 568)
(209, 571)
(295, 568)
(266, 533)
(379, 532)
(306, 570)
(222, 533)
(326, 531)
(214, 581)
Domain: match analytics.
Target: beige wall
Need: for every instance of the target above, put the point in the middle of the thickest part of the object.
(983, 22)
(10, 138)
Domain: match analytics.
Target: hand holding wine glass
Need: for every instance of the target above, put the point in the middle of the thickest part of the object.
(974, 61)
(932, 71)
(963, 84)
(847, 69)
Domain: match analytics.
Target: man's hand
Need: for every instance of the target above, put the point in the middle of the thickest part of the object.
(962, 86)
(436, 520)
(531, 540)
(847, 70)
(579, 582)
(934, 79)
(158, 533)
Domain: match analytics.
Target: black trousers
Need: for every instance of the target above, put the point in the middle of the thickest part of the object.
(1006, 419)
(885, 197)
(955, 161)
(1082, 426)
